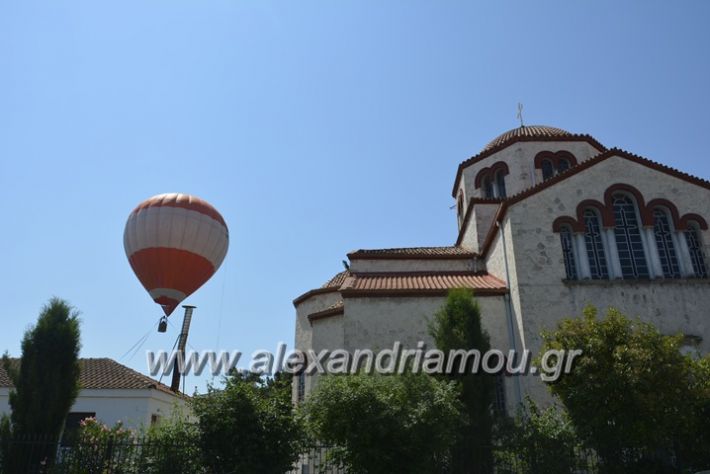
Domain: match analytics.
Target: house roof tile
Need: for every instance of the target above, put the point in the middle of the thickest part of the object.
(102, 374)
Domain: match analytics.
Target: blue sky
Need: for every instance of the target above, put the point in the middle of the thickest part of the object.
(315, 127)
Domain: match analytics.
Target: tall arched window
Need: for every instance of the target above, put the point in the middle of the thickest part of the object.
(595, 245)
(487, 186)
(667, 253)
(629, 243)
(459, 207)
(563, 165)
(567, 240)
(301, 387)
(500, 183)
(547, 170)
(695, 248)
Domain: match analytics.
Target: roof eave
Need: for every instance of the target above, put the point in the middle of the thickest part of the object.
(310, 293)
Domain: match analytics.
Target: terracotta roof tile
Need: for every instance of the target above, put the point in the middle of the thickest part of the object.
(337, 280)
(527, 131)
(102, 374)
(361, 284)
(448, 252)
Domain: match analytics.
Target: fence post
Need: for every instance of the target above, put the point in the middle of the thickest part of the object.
(109, 454)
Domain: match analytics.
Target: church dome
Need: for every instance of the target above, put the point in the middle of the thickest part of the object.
(527, 132)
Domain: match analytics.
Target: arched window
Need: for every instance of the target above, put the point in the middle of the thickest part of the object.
(301, 386)
(567, 240)
(695, 248)
(500, 183)
(487, 187)
(663, 231)
(629, 243)
(594, 242)
(459, 207)
(547, 170)
(563, 165)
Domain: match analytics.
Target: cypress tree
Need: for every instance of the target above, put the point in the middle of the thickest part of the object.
(46, 382)
(457, 325)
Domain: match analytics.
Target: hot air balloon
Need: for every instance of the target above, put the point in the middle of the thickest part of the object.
(175, 243)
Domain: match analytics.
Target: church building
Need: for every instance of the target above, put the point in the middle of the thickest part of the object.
(548, 222)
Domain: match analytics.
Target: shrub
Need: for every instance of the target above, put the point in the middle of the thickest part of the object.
(384, 424)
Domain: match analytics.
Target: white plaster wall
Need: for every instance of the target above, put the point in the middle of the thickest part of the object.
(479, 224)
(4, 401)
(484, 216)
(303, 340)
(132, 407)
(304, 330)
(519, 157)
(413, 265)
(376, 323)
(496, 265)
(672, 305)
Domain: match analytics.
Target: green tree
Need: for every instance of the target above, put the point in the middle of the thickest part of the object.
(631, 395)
(384, 424)
(457, 325)
(249, 426)
(47, 380)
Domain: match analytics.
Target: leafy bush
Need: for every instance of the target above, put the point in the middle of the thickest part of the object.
(174, 447)
(97, 448)
(632, 395)
(249, 426)
(384, 424)
(538, 441)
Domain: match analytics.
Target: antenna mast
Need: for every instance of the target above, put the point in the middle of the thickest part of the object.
(182, 342)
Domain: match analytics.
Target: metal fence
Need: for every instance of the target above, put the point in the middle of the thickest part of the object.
(37, 455)
(40, 455)
(494, 460)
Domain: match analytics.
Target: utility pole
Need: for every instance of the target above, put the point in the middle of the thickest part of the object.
(182, 342)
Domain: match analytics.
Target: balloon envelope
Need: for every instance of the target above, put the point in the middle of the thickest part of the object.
(175, 243)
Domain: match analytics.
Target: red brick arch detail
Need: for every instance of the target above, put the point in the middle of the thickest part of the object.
(554, 157)
(646, 216)
(690, 217)
(669, 206)
(491, 171)
(605, 212)
(562, 221)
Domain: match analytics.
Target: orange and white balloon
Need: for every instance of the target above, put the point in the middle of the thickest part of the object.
(175, 243)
